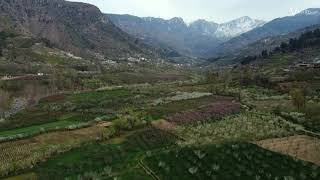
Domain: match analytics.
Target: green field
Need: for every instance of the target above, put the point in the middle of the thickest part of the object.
(62, 123)
(241, 161)
(107, 160)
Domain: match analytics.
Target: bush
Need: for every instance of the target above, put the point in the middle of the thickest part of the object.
(298, 98)
(312, 111)
(129, 119)
(109, 133)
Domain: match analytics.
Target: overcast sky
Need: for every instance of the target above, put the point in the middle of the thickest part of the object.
(213, 10)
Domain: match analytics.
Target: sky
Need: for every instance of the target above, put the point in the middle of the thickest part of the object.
(214, 10)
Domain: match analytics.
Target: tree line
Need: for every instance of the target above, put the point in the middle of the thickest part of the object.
(305, 40)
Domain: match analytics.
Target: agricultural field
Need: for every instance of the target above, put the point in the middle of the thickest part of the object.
(300, 146)
(26, 153)
(106, 159)
(214, 110)
(89, 95)
(249, 126)
(229, 161)
(147, 131)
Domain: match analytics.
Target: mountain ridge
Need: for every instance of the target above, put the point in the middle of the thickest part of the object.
(77, 27)
(278, 26)
(195, 39)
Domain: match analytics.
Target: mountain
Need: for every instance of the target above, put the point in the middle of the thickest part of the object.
(269, 43)
(228, 30)
(204, 27)
(238, 26)
(196, 39)
(279, 26)
(256, 48)
(173, 34)
(77, 27)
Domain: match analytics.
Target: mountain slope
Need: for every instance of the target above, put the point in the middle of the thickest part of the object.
(238, 26)
(173, 34)
(256, 48)
(204, 27)
(276, 27)
(76, 27)
(269, 43)
(196, 39)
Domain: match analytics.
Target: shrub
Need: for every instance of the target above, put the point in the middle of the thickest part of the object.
(298, 98)
(312, 112)
(129, 119)
(109, 133)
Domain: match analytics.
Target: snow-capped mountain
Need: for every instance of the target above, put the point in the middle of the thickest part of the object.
(237, 27)
(227, 30)
(196, 39)
(276, 27)
(309, 12)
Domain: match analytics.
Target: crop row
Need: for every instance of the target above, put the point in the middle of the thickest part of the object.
(26, 153)
(239, 161)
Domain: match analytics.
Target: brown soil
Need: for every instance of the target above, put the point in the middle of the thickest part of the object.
(203, 113)
(104, 124)
(302, 147)
(54, 98)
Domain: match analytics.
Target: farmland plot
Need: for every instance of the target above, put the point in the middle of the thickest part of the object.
(248, 126)
(241, 161)
(214, 110)
(301, 146)
(22, 154)
(106, 160)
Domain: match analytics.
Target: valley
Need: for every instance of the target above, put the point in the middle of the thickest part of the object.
(86, 95)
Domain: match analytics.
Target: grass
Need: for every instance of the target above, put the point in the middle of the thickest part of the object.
(94, 158)
(30, 117)
(99, 96)
(142, 77)
(62, 123)
(241, 161)
(150, 139)
(56, 122)
(28, 176)
(50, 112)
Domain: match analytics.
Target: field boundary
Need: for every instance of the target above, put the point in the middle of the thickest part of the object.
(148, 170)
